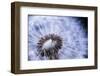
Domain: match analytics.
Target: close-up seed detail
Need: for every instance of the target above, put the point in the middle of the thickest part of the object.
(57, 37)
(49, 46)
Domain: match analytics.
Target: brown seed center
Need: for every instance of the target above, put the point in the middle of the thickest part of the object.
(49, 45)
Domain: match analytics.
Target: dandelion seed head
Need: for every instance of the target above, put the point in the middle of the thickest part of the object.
(57, 37)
